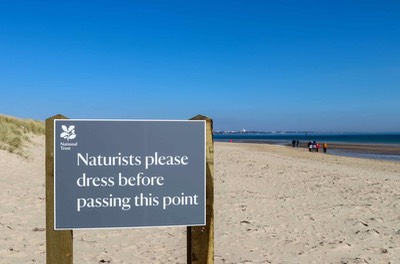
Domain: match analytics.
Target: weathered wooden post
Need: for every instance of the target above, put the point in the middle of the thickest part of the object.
(200, 239)
(59, 244)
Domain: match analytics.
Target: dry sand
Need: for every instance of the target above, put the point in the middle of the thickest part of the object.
(273, 204)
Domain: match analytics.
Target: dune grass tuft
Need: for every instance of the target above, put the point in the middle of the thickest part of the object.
(15, 133)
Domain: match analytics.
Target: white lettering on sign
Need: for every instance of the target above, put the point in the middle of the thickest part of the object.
(140, 180)
(104, 202)
(99, 160)
(165, 160)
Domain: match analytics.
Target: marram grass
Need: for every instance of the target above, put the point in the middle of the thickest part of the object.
(15, 133)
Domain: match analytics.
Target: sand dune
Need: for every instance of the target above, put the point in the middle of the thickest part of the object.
(273, 204)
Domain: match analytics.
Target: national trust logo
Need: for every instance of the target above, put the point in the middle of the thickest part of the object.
(68, 132)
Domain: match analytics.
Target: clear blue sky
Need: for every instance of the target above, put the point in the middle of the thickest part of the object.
(256, 65)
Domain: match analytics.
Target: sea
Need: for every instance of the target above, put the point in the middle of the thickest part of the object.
(392, 139)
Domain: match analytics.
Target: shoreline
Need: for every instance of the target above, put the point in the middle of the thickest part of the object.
(359, 150)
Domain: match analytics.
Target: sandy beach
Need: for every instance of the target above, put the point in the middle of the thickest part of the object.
(273, 204)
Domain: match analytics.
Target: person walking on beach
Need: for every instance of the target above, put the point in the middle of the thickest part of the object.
(293, 143)
(297, 143)
(325, 147)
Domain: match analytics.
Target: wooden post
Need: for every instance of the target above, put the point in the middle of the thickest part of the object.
(58, 243)
(200, 239)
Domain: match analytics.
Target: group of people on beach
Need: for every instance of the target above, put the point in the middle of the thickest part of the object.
(312, 146)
